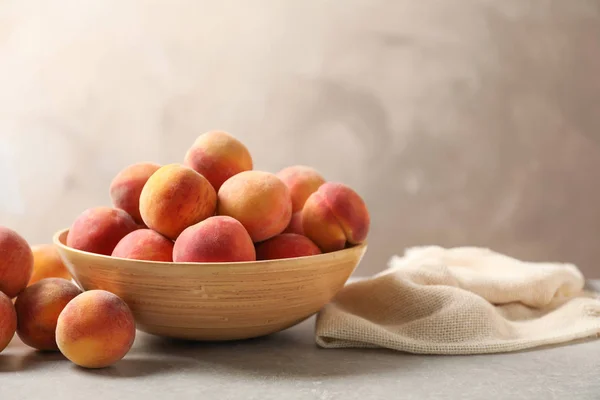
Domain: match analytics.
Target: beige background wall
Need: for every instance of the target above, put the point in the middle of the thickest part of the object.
(460, 122)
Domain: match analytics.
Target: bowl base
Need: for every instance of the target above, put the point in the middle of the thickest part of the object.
(217, 334)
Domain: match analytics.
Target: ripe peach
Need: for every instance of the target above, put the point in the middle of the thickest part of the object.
(47, 264)
(99, 229)
(145, 244)
(96, 329)
(8, 321)
(16, 262)
(335, 215)
(174, 198)
(286, 245)
(38, 308)
(295, 225)
(302, 182)
(259, 200)
(216, 239)
(218, 156)
(126, 187)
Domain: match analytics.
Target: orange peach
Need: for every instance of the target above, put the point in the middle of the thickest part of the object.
(286, 245)
(38, 308)
(8, 321)
(16, 262)
(145, 244)
(335, 215)
(174, 198)
(99, 229)
(259, 200)
(47, 264)
(216, 239)
(126, 187)
(96, 329)
(295, 225)
(302, 182)
(218, 156)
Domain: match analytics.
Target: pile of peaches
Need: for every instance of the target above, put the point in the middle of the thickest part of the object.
(213, 207)
(39, 302)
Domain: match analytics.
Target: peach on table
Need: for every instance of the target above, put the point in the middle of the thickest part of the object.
(16, 262)
(8, 321)
(38, 308)
(47, 263)
(96, 329)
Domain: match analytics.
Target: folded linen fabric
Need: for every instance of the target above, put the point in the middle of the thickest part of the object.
(464, 300)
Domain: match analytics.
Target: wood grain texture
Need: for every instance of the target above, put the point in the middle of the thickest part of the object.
(215, 301)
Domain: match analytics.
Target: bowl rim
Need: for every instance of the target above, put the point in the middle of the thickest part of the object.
(56, 238)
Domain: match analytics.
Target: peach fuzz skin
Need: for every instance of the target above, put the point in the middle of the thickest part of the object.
(47, 263)
(127, 185)
(8, 321)
(335, 215)
(259, 200)
(145, 244)
(216, 239)
(95, 330)
(295, 225)
(302, 181)
(174, 198)
(286, 245)
(99, 229)
(218, 156)
(16, 262)
(38, 308)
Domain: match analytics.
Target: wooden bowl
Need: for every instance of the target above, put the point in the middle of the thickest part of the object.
(215, 301)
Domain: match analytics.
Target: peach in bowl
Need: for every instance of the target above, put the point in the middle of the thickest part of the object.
(215, 300)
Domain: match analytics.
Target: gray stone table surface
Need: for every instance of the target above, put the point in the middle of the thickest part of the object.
(288, 365)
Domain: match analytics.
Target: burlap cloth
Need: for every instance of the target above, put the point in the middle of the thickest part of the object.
(461, 301)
